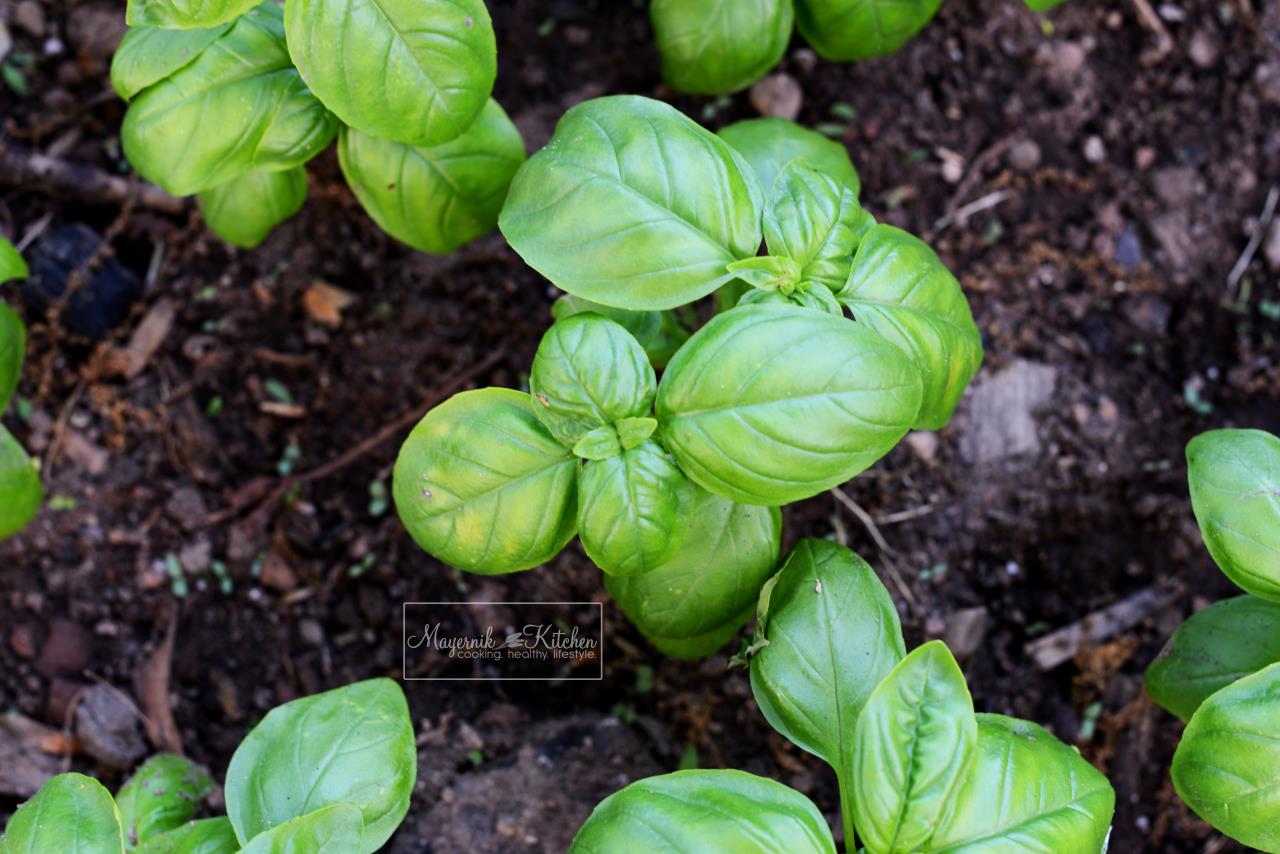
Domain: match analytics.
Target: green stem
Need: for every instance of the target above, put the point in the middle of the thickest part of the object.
(846, 815)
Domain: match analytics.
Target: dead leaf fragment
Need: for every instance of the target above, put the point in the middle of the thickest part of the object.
(325, 303)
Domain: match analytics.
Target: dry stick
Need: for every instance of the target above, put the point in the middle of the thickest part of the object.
(23, 167)
(1255, 240)
(448, 388)
(887, 551)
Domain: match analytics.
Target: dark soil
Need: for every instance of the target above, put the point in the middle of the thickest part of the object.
(1129, 182)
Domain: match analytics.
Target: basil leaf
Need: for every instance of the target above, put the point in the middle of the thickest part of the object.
(353, 745)
(71, 812)
(412, 71)
(244, 210)
(482, 486)
(13, 347)
(660, 333)
(1026, 791)
(206, 836)
(813, 220)
(832, 634)
(854, 30)
(147, 55)
(20, 491)
(435, 199)
(693, 812)
(336, 829)
(634, 205)
(770, 404)
(1212, 649)
(769, 144)
(11, 264)
(160, 796)
(913, 744)
(817, 298)
(1043, 5)
(691, 605)
(631, 509)
(238, 107)
(184, 14)
(589, 372)
(1234, 477)
(899, 288)
(1227, 766)
(714, 47)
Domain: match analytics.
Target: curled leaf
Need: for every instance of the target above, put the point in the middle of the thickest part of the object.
(769, 144)
(713, 47)
(147, 55)
(243, 211)
(813, 220)
(854, 30)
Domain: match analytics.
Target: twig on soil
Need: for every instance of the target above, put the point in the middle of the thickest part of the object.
(151, 683)
(1150, 20)
(972, 178)
(1062, 645)
(960, 216)
(60, 432)
(451, 385)
(905, 515)
(23, 167)
(887, 552)
(1255, 240)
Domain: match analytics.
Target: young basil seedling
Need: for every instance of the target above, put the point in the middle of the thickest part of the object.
(1221, 669)
(327, 774)
(20, 491)
(230, 100)
(919, 772)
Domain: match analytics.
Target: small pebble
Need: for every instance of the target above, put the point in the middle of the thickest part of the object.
(1094, 149)
(1024, 156)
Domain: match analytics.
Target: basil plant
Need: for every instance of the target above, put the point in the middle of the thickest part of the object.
(230, 100)
(327, 774)
(20, 491)
(713, 47)
(1220, 671)
(918, 770)
(672, 484)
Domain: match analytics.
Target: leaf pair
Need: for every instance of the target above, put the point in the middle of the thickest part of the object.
(327, 774)
(20, 491)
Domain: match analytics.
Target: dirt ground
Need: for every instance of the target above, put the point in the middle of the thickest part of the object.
(1092, 177)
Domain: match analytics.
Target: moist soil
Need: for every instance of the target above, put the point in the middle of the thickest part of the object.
(1091, 177)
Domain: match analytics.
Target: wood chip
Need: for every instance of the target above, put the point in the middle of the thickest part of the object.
(1062, 645)
(151, 684)
(146, 339)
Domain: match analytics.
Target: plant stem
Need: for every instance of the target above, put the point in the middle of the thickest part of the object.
(846, 815)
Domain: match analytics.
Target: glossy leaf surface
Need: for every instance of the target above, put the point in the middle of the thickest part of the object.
(20, 491)
(243, 211)
(335, 829)
(12, 266)
(147, 55)
(633, 205)
(483, 486)
(1226, 641)
(163, 794)
(353, 745)
(184, 14)
(853, 30)
(204, 836)
(695, 812)
(899, 288)
(439, 198)
(771, 404)
(1234, 477)
(769, 144)
(713, 47)
(813, 220)
(70, 813)
(1227, 766)
(13, 347)
(660, 333)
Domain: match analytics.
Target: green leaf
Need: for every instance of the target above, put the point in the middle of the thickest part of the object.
(1227, 766)
(769, 404)
(70, 813)
(813, 220)
(412, 71)
(1043, 5)
(694, 812)
(160, 796)
(435, 199)
(714, 47)
(335, 829)
(913, 744)
(832, 634)
(633, 432)
(20, 491)
(631, 509)
(353, 745)
(767, 272)
(633, 205)
(1026, 791)
(815, 297)
(899, 288)
(1212, 649)
(243, 211)
(184, 14)
(206, 836)
(483, 486)
(11, 264)
(239, 107)
(854, 30)
(589, 372)
(147, 55)
(660, 333)
(769, 144)
(1234, 477)
(691, 605)
(13, 347)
